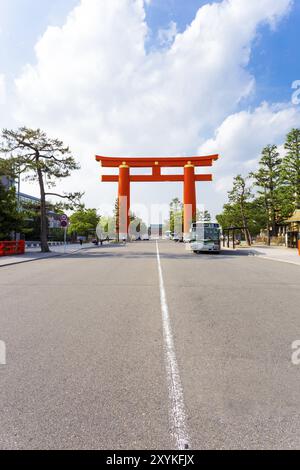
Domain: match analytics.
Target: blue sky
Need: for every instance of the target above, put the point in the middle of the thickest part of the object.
(202, 96)
(22, 22)
(160, 13)
(276, 58)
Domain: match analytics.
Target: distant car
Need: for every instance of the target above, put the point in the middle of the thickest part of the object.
(177, 237)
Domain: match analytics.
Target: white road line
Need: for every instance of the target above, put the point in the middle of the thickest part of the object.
(177, 409)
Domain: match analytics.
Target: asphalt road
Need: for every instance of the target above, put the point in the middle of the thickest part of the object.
(105, 351)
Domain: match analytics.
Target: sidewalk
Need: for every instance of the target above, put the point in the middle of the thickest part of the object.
(274, 253)
(285, 255)
(33, 254)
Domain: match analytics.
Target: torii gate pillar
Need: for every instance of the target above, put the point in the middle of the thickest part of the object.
(189, 197)
(124, 200)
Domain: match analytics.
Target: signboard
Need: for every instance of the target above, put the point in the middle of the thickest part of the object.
(64, 221)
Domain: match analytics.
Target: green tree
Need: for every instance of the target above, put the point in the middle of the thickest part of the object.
(11, 219)
(137, 226)
(290, 173)
(176, 214)
(241, 195)
(268, 179)
(40, 158)
(84, 221)
(230, 217)
(255, 214)
(107, 227)
(7, 168)
(203, 216)
(117, 219)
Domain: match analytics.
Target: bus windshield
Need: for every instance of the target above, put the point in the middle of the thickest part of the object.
(206, 231)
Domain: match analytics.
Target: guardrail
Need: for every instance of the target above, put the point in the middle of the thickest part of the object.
(37, 244)
(12, 248)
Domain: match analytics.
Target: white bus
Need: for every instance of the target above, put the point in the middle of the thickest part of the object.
(205, 237)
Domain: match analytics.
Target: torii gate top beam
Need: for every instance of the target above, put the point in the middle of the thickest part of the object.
(147, 162)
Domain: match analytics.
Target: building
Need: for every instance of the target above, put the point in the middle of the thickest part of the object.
(32, 201)
(6, 182)
(155, 231)
(293, 229)
(26, 201)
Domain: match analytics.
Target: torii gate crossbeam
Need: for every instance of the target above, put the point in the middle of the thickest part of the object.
(189, 178)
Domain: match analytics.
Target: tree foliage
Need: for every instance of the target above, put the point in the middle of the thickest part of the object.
(274, 194)
(255, 214)
(203, 216)
(290, 173)
(268, 180)
(176, 215)
(240, 196)
(84, 221)
(41, 159)
(11, 219)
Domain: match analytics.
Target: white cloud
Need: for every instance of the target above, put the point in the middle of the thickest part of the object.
(241, 137)
(2, 78)
(166, 36)
(2, 90)
(94, 85)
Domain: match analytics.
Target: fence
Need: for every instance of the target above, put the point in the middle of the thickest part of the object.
(12, 248)
(37, 244)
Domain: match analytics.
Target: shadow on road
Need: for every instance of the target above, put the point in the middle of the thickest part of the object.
(107, 252)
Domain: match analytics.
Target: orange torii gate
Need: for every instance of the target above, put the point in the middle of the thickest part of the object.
(124, 179)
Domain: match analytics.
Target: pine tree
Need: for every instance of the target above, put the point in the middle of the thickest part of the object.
(241, 195)
(268, 178)
(290, 171)
(39, 156)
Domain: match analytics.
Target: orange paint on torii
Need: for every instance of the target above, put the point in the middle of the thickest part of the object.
(189, 178)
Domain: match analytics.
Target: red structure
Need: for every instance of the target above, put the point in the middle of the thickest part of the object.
(12, 248)
(189, 179)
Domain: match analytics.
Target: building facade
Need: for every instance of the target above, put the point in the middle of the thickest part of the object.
(27, 200)
(293, 229)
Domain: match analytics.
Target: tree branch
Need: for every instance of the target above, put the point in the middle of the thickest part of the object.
(66, 196)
